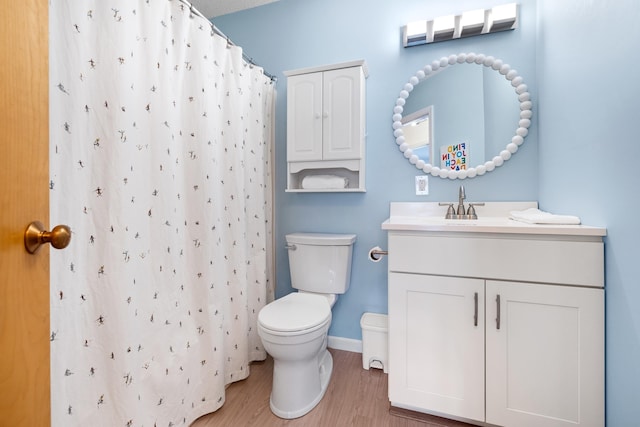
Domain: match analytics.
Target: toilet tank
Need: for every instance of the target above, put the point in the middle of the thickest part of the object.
(320, 262)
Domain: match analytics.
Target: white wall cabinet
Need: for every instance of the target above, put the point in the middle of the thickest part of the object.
(497, 329)
(326, 125)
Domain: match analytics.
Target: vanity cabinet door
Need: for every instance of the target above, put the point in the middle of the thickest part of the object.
(436, 344)
(545, 357)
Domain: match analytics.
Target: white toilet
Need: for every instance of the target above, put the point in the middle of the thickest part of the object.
(294, 328)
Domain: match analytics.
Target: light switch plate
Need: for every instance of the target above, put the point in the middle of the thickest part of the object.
(422, 185)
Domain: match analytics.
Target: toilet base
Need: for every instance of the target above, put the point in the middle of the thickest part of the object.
(302, 388)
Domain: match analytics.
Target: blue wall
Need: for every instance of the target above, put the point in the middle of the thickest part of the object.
(579, 59)
(291, 34)
(589, 149)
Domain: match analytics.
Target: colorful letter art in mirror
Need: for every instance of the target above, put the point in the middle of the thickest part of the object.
(454, 156)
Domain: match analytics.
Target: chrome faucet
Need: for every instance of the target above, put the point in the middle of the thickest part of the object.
(461, 213)
(461, 197)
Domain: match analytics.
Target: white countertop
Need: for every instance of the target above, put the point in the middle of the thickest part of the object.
(492, 218)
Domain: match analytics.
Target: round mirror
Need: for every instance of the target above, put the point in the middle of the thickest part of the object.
(458, 122)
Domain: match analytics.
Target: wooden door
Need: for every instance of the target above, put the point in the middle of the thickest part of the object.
(24, 170)
(436, 344)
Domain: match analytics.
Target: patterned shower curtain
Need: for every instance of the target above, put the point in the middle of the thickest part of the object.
(160, 164)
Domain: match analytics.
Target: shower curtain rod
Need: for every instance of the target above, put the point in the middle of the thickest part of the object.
(216, 30)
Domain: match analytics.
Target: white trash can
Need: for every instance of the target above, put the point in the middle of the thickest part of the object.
(375, 341)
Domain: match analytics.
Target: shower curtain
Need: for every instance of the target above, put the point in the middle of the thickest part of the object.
(160, 164)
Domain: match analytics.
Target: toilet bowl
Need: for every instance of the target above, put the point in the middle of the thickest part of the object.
(294, 328)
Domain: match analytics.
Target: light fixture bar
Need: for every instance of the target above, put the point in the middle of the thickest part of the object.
(467, 24)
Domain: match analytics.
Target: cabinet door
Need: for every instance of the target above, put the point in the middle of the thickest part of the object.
(343, 107)
(545, 359)
(436, 344)
(304, 117)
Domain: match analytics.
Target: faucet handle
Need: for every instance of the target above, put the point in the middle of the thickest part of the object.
(471, 212)
(451, 212)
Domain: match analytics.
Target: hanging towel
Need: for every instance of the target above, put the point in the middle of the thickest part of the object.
(536, 216)
(324, 182)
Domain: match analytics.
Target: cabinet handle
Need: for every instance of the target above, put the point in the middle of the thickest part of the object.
(475, 310)
(498, 311)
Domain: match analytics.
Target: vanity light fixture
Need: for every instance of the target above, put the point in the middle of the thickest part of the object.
(503, 17)
(415, 33)
(471, 23)
(443, 28)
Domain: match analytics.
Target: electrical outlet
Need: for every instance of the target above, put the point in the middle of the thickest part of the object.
(422, 185)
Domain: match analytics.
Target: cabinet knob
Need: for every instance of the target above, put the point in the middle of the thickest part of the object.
(325, 114)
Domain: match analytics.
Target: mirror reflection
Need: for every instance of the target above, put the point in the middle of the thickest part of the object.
(456, 118)
(418, 132)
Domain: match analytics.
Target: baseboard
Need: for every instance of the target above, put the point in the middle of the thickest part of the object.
(346, 344)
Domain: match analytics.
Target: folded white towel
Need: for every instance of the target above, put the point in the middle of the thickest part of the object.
(536, 216)
(324, 182)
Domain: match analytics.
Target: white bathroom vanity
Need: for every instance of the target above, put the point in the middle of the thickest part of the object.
(493, 321)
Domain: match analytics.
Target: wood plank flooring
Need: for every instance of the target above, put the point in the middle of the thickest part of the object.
(355, 397)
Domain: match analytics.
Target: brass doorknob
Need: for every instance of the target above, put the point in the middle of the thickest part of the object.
(35, 235)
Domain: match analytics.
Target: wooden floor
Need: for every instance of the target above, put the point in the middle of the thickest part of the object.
(355, 397)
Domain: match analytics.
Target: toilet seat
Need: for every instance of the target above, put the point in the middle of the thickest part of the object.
(296, 313)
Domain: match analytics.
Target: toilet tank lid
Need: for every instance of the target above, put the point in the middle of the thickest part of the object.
(321, 239)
